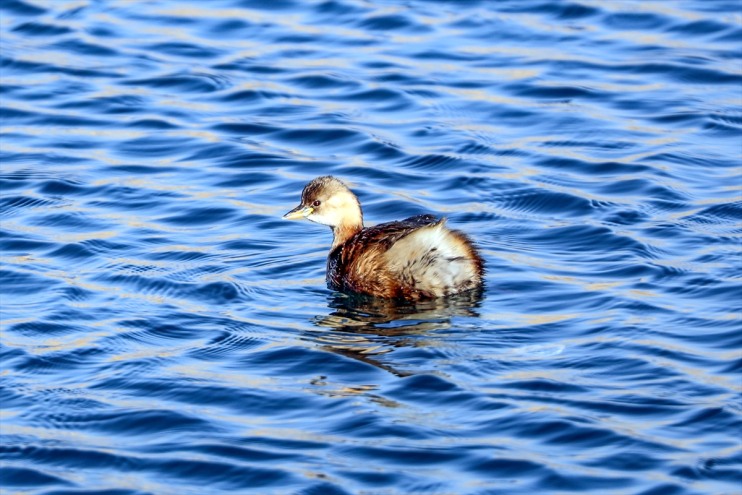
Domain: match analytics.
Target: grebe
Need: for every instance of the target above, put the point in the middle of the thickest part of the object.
(415, 258)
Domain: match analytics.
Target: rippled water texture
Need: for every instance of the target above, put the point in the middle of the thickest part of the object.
(166, 332)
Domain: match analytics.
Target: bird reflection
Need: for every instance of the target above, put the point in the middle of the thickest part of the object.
(365, 327)
(365, 314)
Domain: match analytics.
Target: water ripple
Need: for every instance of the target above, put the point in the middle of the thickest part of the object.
(165, 330)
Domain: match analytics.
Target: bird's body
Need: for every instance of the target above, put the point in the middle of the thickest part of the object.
(416, 258)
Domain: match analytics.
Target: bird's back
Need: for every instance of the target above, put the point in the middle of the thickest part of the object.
(415, 258)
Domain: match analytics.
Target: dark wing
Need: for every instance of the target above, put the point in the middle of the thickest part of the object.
(367, 244)
(386, 234)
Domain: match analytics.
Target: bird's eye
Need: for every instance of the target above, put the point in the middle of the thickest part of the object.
(317, 202)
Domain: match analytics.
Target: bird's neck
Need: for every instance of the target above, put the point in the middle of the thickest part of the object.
(347, 229)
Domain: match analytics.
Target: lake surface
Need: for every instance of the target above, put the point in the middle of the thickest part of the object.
(166, 332)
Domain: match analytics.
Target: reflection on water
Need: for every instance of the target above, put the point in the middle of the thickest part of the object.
(391, 317)
(365, 326)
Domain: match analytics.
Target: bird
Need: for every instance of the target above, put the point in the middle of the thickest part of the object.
(414, 259)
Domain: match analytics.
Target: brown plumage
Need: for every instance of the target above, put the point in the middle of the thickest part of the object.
(416, 258)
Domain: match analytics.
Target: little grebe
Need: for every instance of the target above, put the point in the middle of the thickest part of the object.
(415, 258)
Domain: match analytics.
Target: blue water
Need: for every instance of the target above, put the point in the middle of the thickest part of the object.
(166, 332)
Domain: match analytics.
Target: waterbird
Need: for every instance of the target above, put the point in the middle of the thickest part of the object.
(413, 259)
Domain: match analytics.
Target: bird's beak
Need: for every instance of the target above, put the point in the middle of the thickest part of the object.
(299, 212)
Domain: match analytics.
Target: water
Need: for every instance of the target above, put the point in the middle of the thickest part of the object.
(166, 332)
